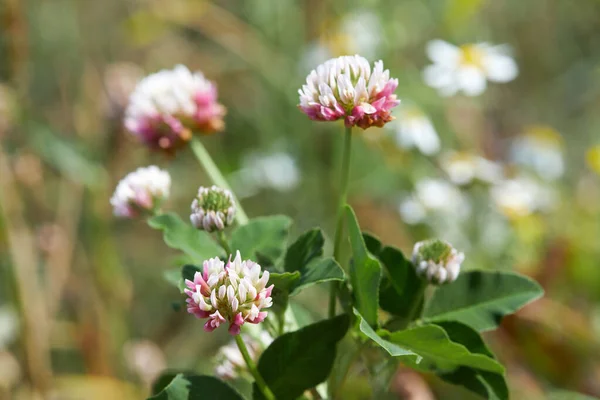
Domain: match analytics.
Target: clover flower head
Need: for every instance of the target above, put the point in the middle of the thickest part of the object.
(346, 87)
(233, 293)
(213, 209)
(437, 261)
(168, 106)
(141, 191)
(467, 68)
(230, 363)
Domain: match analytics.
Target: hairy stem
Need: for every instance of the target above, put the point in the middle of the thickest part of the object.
(215, 175)
(340, 214)
(260, 382)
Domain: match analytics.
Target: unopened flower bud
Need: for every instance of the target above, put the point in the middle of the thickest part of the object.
(141, 191)
(437, 261)
(235, 292)
(213, 209)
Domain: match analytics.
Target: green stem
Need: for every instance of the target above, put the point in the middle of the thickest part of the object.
(222, 239)
(413, 312)
(340, 214)
(216, 176)
(260, 382)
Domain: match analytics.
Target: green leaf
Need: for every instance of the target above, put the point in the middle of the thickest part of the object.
(439, 353)
(486, 384)
(300, 360)
(192, 387)
(401, 288)
(188, 271)
(283, 284)
(481, 298)
(365, 272)
(428, 348)
(181, 236)
(390, 347)
(318, 271)
(305, 249)
(264, 235)
(373, 243)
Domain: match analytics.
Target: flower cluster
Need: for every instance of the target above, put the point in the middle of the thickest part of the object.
(467, 68)
(141, 191)
(235, 292)
(229, 359)
(345, 87)
(541, 149)
(437, 261)
(213, 209)
(465, 167)
(168, 106)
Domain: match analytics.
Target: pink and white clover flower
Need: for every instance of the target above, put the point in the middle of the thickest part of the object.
(167, 107)
(141, 191)
(346, 88)
(235, 293)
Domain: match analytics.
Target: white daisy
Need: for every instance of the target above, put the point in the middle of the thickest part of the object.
(467, 68)
(465, 167)
(540, 148)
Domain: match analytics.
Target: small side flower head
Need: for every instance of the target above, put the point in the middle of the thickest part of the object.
(233, 293)
(167, 107)
(141, 192)
(213, 209)
(437, 261)
(345, 87)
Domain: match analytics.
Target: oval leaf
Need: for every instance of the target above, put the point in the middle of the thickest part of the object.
(266, 236)
(300, 360)
(316, 272)
(305, 249)
(192, 387)
(481, 298)
(181, 236)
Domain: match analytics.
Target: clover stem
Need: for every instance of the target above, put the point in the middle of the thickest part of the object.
(340, 214)
(260, 382)
(415, 307)
(216, 176)
(222, 239)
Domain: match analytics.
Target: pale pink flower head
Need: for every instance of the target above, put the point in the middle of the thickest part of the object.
(167, 107)
(346, 87)
(141, 192)
(437, 261)
(235, 293)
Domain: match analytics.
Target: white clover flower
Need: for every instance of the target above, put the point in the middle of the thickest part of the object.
(437, 261)
(213, 209)
(467, 68)
(522, 196)
(167, 107)
(540, 148)
(141, 191)
(235, 292)
(277, 171)
(345, 87)
(465, 167)
(414, 129)
(229, 359)
(433, 196)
